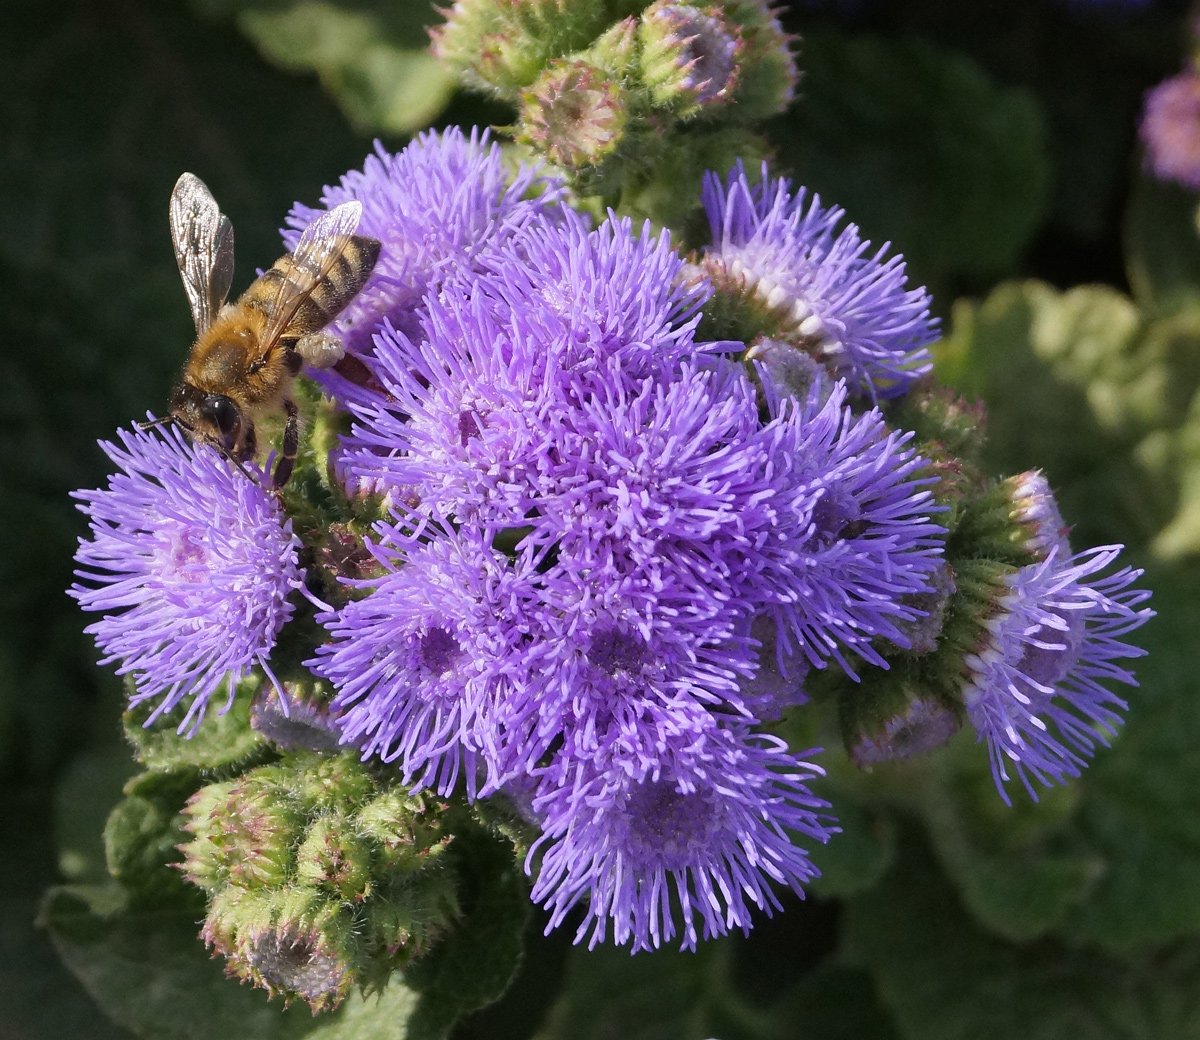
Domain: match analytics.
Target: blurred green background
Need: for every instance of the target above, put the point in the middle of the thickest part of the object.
(994, 144)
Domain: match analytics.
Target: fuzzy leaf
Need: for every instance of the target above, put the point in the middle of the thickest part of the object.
(951, 167)
(474, 963)
(379, 72)
(143, 834)
(149, 971)
(1141, 804)
(86, 792)
(223, 742)
(946, 979)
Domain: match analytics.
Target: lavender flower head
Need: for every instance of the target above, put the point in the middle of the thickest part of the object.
(415, 661)
(850, 308)
(469, 412)
(435, 206)
(1036, 692)
(1170, 129)
(854, 536)
(698, 837)
(192, 564)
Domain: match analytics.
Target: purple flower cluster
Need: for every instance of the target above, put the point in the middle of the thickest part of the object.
(613, 554)
(596, 533)
(192, 565)
(1170, 129)
(850, 306)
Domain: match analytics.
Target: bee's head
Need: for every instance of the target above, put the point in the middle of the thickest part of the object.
(214, 419)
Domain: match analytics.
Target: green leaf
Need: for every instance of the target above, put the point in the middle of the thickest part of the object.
(223, 743)
(150, 972)
(382, 76)
(834, 1003)
(1017, 868)
(1062, 374)
(1141, 799)
(474, 963)
(861, 854)
(1162, 247)
(663, 995)
(922, 148)
(944, 978)
(143, 835)
(86, 793)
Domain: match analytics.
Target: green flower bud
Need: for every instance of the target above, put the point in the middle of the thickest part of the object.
(892, 717)
(303, 951)
(1035, 511)
(690, 56)
(768, 66)
(940, 414)
(407, 829)
(501, 46)
(575, 114)
(319, 878)
(332, 855)
(244, 832)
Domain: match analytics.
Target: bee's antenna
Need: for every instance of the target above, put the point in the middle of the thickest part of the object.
(164, 421)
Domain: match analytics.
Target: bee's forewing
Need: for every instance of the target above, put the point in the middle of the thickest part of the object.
(203, 239)
(323, 241)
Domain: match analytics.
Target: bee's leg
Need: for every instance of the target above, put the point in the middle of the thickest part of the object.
(320, 349)
(291, 444)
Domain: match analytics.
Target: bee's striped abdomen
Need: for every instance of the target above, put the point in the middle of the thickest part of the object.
(328, 296)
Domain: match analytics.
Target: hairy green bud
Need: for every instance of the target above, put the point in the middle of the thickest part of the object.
(892, 717)
(575, 114)
(502, 46)
(690, 56)
(319, 877)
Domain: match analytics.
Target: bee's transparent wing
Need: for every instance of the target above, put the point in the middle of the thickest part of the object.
(203, 240)
(323, 241)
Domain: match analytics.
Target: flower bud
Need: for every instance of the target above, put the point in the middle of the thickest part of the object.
(299, 720)
(689, 56)
(294, 948)
(407, 828)
(501, 46)
(779, 681)
(1035, 510)
(794, 373)
(244, 832)
(892, 717)
(922, 633)
(333, 856)
(768, 67)
(574, 114)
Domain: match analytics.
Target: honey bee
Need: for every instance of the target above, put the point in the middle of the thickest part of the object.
(247, 353)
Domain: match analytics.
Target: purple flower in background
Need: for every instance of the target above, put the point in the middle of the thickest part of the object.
(850, 307)
(1036, 692)
(415, 661)
(192, 564)
(436, 206)
(685, 848)
(854, 535)
(1170, 129)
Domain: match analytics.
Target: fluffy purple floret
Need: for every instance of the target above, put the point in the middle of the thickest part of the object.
(416, 661)
(1170, 129)
(853, 534)
(471, 402)
(192, 565)
(593, 294)
(436, 207)
(851, 305)
(1037, 693)
(686, 848)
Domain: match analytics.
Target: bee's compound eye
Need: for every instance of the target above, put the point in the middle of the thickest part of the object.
(223, 412)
